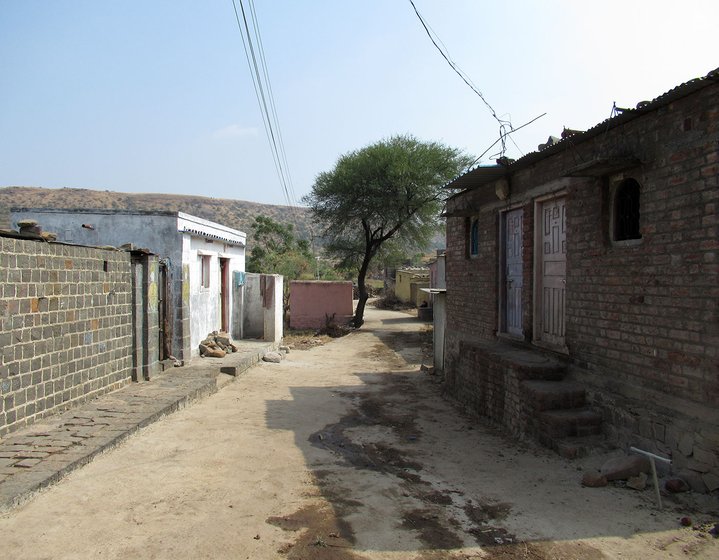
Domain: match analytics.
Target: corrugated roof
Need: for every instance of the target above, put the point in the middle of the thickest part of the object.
(482, 175)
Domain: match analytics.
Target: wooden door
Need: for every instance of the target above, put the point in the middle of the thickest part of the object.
(513, 271)
(224, 295)
(553, 269)
(164, 311)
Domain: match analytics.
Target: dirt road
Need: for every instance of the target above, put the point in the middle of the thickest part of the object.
(346, 451)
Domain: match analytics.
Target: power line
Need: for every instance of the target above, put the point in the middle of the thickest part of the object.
(505, 126)
(254, 53)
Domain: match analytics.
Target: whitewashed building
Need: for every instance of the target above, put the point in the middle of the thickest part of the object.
(202, 263)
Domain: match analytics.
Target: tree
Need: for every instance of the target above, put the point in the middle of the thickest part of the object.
(388, 190)
(276, 250)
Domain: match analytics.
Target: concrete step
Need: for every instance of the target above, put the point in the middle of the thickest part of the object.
(550, 395)
(557, 424)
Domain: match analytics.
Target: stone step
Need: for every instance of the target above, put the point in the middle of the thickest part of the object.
(556, 424)
(550, 395)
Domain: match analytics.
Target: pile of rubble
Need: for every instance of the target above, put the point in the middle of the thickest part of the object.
(217, 345)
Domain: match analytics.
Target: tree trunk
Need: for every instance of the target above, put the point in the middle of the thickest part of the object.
(362, 289)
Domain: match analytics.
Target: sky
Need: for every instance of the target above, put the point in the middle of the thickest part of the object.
(156, 95)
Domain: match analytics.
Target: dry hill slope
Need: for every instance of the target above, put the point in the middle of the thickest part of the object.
(237, 214)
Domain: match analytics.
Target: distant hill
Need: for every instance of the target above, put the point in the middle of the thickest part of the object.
(236, 214)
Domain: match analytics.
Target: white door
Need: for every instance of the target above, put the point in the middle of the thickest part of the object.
(553, 271)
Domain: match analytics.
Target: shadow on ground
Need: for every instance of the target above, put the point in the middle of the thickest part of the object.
(385, 488)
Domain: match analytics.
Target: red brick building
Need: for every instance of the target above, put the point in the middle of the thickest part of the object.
(583, 281)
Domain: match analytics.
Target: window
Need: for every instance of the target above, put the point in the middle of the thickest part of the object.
(626, 211)
(474, 237)
(205, 271)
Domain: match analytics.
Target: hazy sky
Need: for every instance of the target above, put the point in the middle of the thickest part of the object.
(156, 95)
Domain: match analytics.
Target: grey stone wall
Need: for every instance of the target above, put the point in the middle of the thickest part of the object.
(65, 327)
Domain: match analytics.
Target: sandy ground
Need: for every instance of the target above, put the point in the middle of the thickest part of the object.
(345, 451)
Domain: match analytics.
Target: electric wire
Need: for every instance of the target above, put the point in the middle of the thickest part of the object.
(480, 156)
(504, 125)
(263, 92)
(263, 62)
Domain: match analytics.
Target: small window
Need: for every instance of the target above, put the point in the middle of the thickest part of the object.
(205, 271)
(626, 211)
(474, 238)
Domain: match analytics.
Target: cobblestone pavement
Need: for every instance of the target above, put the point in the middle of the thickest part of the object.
(43, 453)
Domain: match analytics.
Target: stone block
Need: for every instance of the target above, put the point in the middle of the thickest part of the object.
(711, 480)
(705, 456)
(686, 444)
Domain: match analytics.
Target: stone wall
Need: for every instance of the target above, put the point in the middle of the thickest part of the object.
(65, 327)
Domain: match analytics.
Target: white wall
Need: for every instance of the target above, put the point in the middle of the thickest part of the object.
(205, 310)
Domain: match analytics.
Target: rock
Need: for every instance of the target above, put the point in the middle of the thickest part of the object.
(685, 521)
(285, 349)
(272, 357)
(593, 480)
(203, 348)
(223, 339)
(693, 479)
(215, 353)
(622, 468)
(676, 485)
(638, 482)
(711, 481)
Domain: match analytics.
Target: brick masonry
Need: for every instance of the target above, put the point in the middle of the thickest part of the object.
(642, 329)
(65, 327)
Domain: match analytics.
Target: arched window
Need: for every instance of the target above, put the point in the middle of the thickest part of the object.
(626, 211)
(474, 238)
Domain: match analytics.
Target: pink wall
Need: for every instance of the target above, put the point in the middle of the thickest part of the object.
(311, 301)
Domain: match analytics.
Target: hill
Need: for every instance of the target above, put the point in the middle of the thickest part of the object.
(236, 214)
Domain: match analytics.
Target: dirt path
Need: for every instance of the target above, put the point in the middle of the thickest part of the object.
(346, 451)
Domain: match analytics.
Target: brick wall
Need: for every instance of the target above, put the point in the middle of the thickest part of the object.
(642, 328)
(65, 327)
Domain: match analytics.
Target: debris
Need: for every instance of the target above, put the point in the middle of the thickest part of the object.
(676, 485)
(217, 345)
(593, 480)
(638, 482)
(622, 468)
(272, 357)
(256, 537)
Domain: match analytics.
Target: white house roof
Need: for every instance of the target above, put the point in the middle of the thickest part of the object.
(193, 225)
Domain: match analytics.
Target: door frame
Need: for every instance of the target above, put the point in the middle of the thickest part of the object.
(537, 284)
(502, 275)
(224, 294)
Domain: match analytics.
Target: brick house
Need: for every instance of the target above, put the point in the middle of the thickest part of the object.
(583, 281)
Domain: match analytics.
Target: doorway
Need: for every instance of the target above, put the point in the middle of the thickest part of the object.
(552, 271)
(512, 271)
(225, 295)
